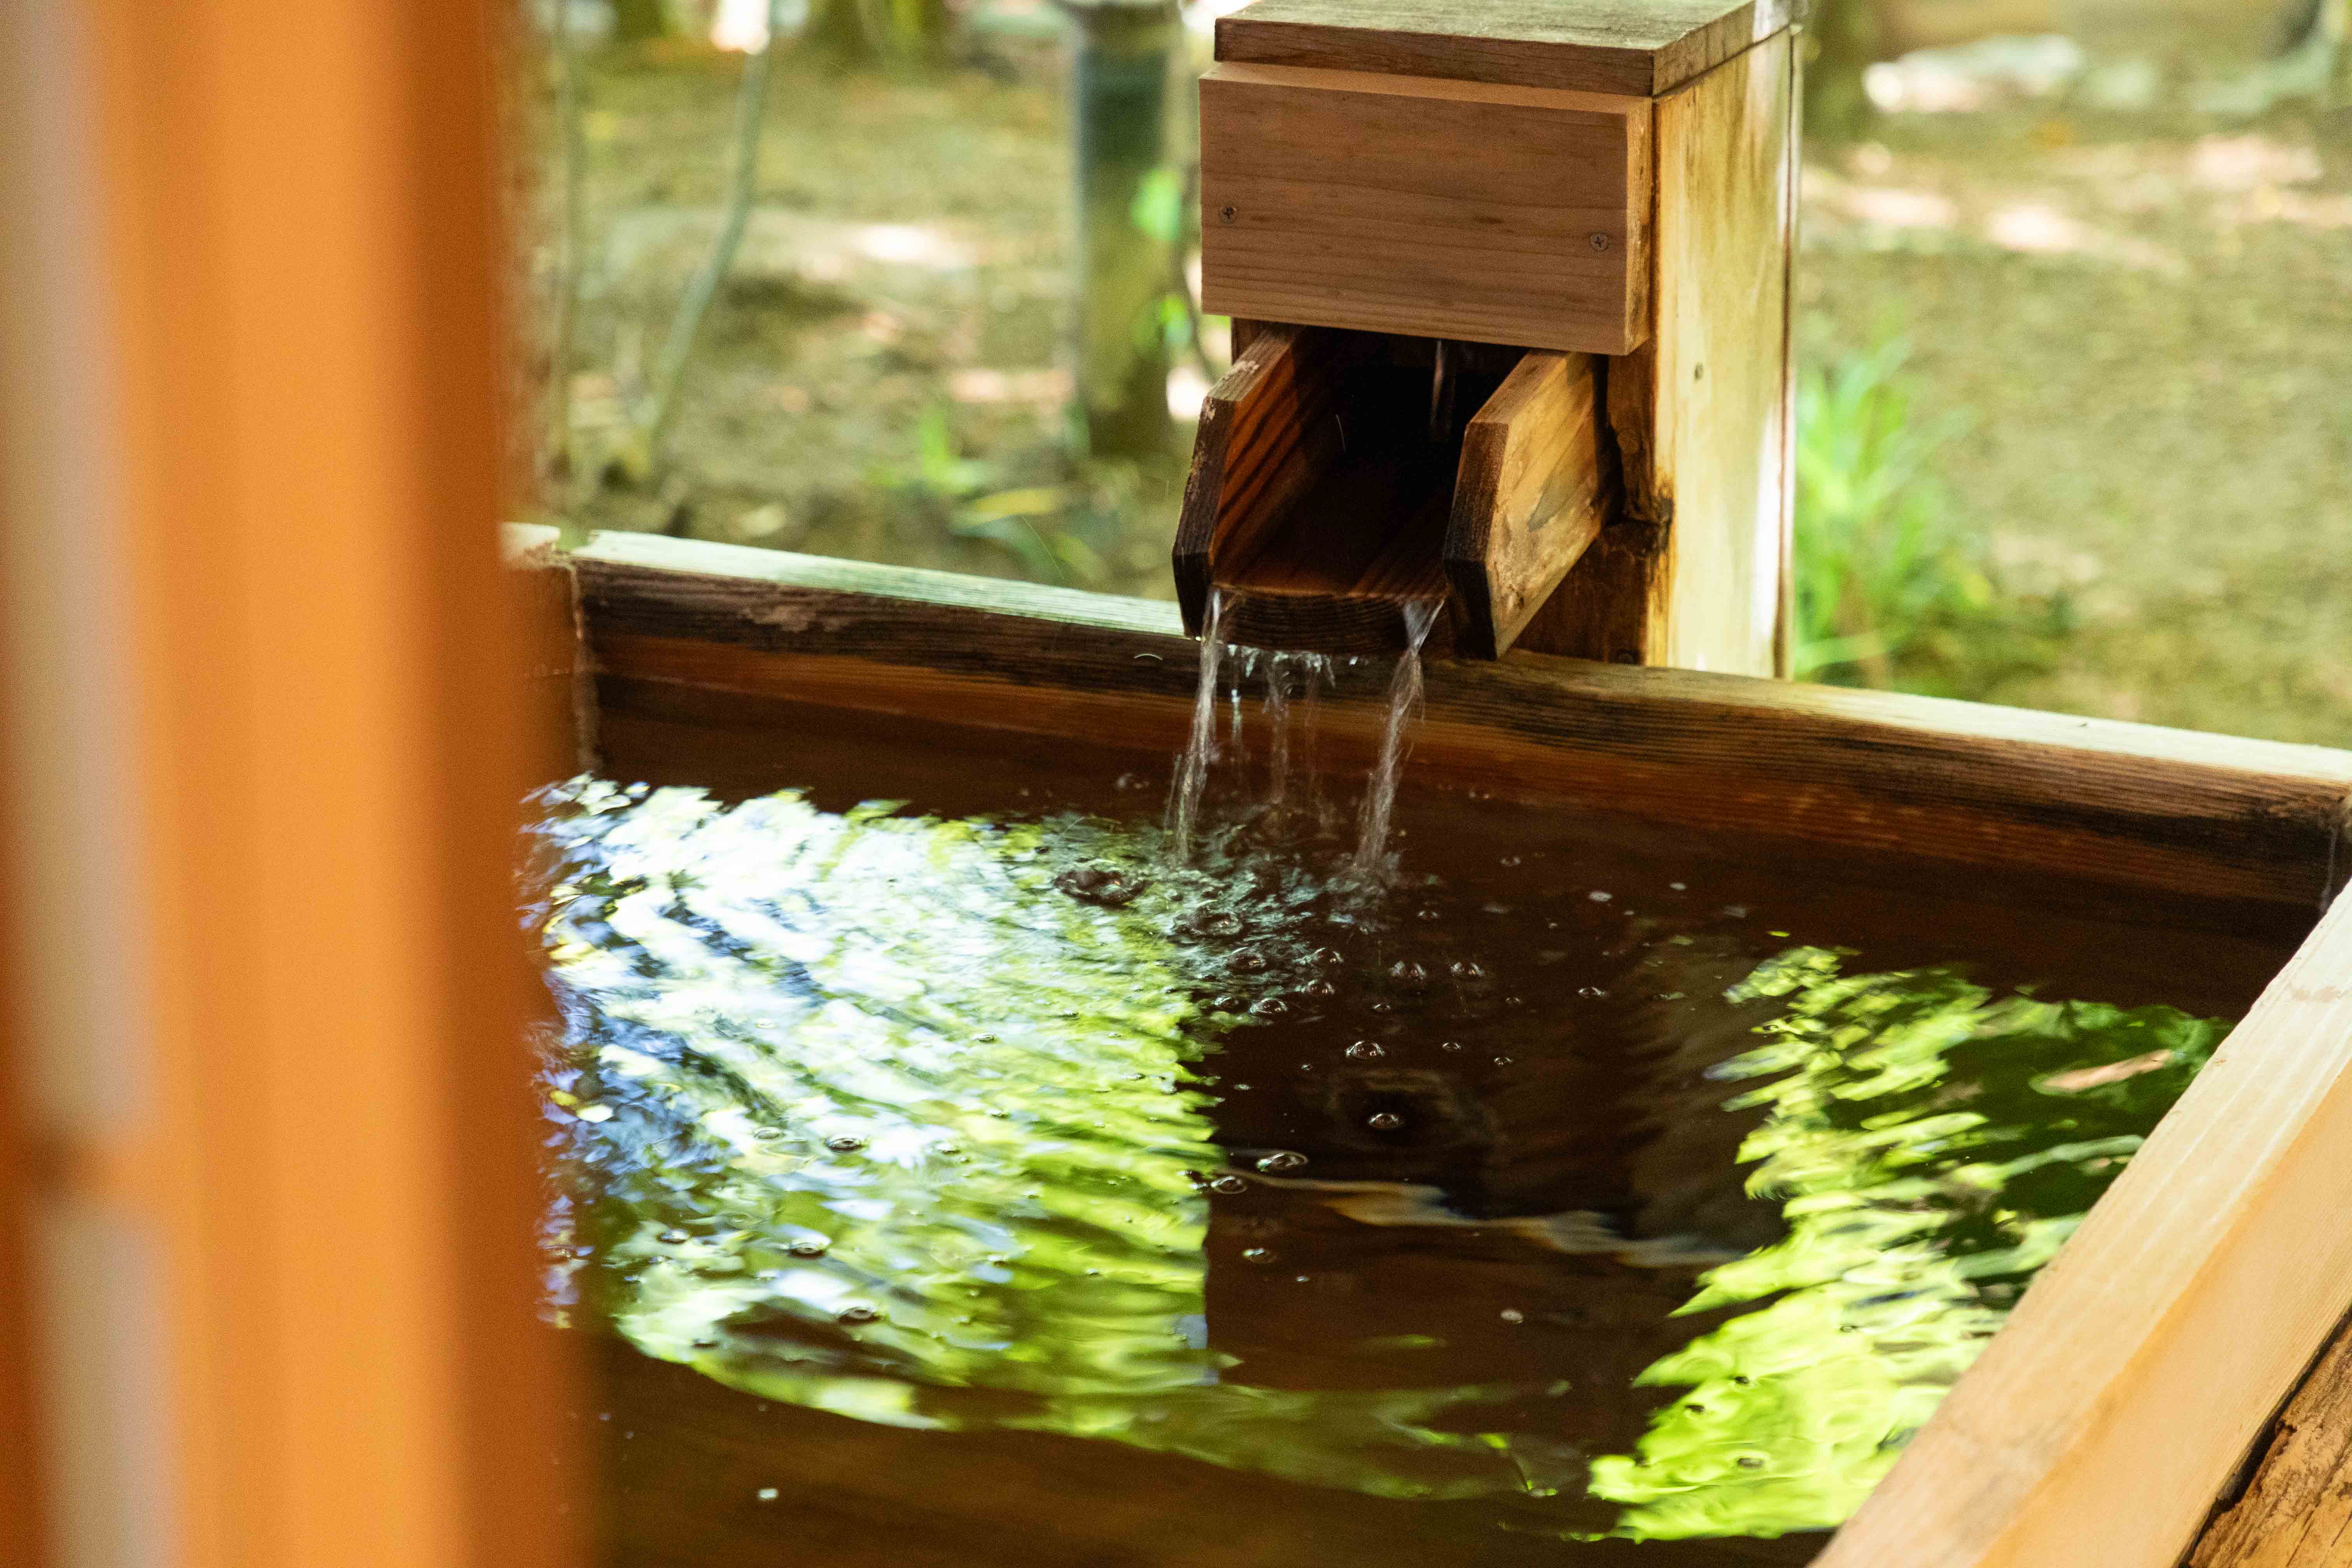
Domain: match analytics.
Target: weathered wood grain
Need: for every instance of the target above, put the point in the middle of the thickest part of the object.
(1355, 555)
(2247, 823)
(1527, 501)
(2101, 1422)
(1700, 414)
(1435, 208)
(1268, 431)
(1638, 47)
(2297, 1511)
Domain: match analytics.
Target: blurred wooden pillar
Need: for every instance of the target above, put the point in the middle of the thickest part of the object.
(284, 1207)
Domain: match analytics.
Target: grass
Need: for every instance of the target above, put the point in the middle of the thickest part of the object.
(1893, 589)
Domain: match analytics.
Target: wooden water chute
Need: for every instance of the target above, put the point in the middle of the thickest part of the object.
(1510, 290)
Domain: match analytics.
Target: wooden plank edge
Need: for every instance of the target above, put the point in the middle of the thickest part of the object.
(1960, 783)
(1593, 67)
(2101, 1422)
(554, 636)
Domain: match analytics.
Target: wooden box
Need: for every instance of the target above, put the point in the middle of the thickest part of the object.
(2111, 1421)
(1482, 173)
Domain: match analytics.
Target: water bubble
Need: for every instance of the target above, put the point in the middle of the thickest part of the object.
(1267, 1006)
(1501, 1061)
(810, 1246)
(1219, 923)
(1384, 1121)
(1241, 1088)
(1428, 914)
(1229, 1186)
(1511, 860)
(1679, 887)
(1322, 988)
(1282, 1160)
(1226, 1004)
(1112, 886)
(1383, 1007)
(1512, 1315)
(1366, 1050)
(1750, 1461)
(1449, 1045)
(985, 1039)
(1467, 969)
(1259, 1255)
(856, 1315)
(845, 1143)
(1598, 897)
(706, 1344)
(1515, 1001)
(1328, 956)
(1406, 972)
(769, 1134)
(1590, 991)
(1249, 961)
(768, 1494)
(673, 1237)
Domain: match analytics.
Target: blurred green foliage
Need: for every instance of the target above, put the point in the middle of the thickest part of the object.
(1891, 589)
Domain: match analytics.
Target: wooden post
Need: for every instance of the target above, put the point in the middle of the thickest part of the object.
(267, 736)
(1610, 184)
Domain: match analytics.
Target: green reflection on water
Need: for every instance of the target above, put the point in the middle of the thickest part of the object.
(1930, 1146)
(907, 1119)
(968, 1095)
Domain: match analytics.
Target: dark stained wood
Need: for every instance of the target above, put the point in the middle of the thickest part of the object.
(1268, 431)
(2297, 1513)
(1528, 501)
(1610, 607)
(2248, 824)
(1442, 209)
(1642, 48)
(1353, 558)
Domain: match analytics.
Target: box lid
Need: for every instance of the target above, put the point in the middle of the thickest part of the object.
(1637, 48)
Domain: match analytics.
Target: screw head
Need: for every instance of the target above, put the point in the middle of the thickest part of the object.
(1600, 242)
(1229, 214)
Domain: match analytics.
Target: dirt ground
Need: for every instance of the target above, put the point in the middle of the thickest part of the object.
(2142, 325)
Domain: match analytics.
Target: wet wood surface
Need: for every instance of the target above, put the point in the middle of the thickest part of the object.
(1268, 432)
(1638, 47)
(2247, 824)
(1527, 501)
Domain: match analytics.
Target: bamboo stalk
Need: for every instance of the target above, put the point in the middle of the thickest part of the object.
(570, 235)
(658, 411)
